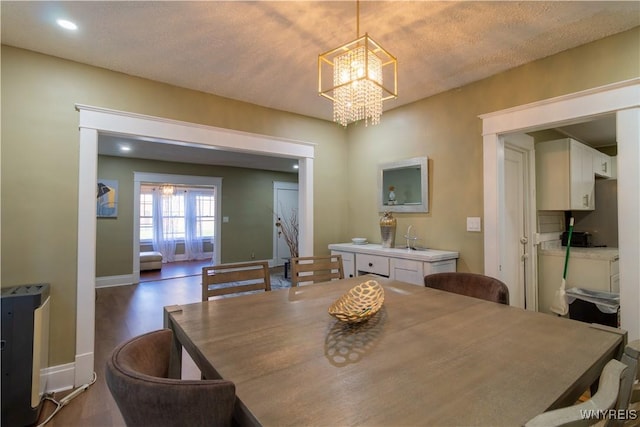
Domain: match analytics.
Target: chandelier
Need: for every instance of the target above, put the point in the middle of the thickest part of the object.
(167, 190)
(353, 77)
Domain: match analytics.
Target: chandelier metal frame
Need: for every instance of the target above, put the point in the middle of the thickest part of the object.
(328, 87)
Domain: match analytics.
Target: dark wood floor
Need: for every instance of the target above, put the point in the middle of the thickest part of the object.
(123, 312)
(173, 270)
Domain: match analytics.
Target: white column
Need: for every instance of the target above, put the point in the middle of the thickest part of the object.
(628, 159)
(493, 184)
(305, 206)
(86, 269)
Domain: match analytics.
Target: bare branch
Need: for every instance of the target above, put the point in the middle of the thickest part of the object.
(289, 228)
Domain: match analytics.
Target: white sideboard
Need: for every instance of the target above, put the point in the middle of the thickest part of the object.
(399, 264)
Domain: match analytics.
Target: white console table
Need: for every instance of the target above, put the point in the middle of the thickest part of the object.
(398, 264)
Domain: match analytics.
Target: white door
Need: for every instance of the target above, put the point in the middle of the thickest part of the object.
(519, 250)
(285, 206)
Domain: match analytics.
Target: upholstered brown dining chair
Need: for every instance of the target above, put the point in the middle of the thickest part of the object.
(136, 375)
(470, 284)
(316, 269)
(226, 279)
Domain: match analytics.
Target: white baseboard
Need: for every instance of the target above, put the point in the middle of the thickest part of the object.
(63, 377)
(107, 281)
(130, 279)
(84, 368)
(60, 378)
(183, 257)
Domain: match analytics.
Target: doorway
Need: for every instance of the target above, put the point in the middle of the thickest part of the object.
(141, 178)
(94, 121)
(520, 266)
(285, 205)
(621, 98)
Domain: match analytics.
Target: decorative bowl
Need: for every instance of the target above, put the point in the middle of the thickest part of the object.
(359, 240)
(359, 304)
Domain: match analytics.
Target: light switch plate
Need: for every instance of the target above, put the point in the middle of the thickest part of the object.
(225, 219)
(473, 223)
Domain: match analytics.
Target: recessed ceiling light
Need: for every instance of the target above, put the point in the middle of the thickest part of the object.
(67, 25)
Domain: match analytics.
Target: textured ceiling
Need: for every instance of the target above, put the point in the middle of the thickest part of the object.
(265, 52)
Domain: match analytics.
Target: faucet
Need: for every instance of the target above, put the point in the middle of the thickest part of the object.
(409, 238)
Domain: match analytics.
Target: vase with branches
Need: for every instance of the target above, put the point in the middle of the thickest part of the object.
(288, 227)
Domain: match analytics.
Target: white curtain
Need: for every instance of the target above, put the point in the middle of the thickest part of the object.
(163, 226)
(192, 243)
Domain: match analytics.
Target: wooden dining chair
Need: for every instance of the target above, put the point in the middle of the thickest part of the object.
(470, 284)
(226, 279)
(136, 374)
(316, 269)
(610, 396)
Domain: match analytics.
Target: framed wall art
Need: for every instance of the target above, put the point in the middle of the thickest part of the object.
(107, 198)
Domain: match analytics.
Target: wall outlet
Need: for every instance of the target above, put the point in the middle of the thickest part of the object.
(253, 255)
(473, 224)
(225, 219)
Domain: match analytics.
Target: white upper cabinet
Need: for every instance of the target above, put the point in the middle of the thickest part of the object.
(582, 177)
(602, 165)
(564, 175)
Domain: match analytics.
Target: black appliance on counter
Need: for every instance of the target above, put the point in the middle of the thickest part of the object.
(579, 239)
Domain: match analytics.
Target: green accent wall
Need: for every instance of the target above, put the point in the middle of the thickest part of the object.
(247, 199)
(39, 164)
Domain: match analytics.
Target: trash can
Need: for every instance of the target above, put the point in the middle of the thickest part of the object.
(590, 306)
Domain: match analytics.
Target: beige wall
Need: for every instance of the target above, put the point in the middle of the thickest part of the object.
(40, 165)
(40, 154)
(446, 128)
(247, 199)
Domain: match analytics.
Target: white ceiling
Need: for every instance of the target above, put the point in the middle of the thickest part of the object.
(600, 132)
(265, 52)
(154, 149)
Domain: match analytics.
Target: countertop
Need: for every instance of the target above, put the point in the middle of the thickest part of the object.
(611, 254)
(429, 255)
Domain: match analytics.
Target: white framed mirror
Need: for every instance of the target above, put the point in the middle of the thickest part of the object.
(403, 186)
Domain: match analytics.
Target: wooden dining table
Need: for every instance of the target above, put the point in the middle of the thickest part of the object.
(428, 357)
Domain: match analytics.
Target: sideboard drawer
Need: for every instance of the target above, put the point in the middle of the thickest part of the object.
(372, 264)
(407, 270)
(448, 266)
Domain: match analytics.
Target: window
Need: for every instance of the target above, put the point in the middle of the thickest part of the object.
(146, 216)
(205, 219)
(176, 213)
(173, 215)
